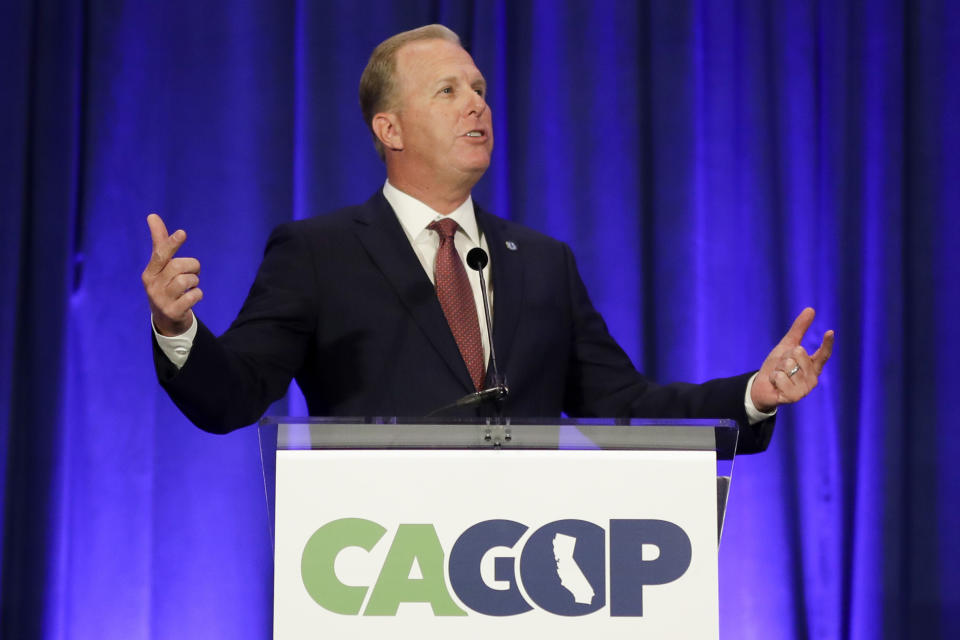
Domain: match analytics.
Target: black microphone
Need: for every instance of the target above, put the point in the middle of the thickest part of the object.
(477, 260)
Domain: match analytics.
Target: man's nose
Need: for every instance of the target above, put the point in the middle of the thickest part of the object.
(476, 105)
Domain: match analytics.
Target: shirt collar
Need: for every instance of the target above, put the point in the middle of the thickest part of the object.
(415, 216)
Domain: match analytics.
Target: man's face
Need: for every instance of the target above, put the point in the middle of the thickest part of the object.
(446, 128)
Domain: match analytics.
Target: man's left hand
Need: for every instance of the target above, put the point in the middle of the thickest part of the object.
(788, 373)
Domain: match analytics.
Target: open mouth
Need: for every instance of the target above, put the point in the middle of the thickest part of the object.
(476, 133)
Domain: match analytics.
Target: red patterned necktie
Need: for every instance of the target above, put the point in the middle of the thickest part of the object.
(456, 299)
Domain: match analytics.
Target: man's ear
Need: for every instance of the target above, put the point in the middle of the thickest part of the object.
(386, 126)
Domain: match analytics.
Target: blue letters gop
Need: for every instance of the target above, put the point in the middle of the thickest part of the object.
(541, 567)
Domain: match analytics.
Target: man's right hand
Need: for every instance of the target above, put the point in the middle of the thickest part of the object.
(171, 283)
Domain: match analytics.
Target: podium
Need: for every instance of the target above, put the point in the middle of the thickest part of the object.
(479, 528)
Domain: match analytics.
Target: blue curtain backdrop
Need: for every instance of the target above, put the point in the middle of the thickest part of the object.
(716, 166)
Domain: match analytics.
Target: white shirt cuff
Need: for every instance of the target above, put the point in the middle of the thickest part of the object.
(177, 348)
(754, 415)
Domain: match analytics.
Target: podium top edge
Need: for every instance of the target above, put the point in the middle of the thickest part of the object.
(278, 433)
(722, 423)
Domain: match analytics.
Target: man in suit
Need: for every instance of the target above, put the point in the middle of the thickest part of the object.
(370, 308)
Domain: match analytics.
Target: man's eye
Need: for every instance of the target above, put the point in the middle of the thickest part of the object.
(479, 92)
(447, 90)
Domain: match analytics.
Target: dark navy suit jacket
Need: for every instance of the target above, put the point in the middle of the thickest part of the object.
(342, 304)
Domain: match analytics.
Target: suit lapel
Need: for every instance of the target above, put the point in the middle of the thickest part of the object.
(506, 265)
(381, 235)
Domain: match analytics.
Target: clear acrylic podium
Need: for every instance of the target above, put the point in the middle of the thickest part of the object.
(388, 527)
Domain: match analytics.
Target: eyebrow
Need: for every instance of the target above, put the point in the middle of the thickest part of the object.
(480, 81)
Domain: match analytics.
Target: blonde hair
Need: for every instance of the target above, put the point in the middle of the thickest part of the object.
(378, 83)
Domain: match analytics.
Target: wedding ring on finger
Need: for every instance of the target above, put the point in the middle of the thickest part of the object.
(793, 371)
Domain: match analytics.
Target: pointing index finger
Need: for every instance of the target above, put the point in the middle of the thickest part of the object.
(164, 246)
(799, 327)
(158, 230)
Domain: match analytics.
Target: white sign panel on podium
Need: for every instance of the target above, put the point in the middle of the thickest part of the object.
(472, 543)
